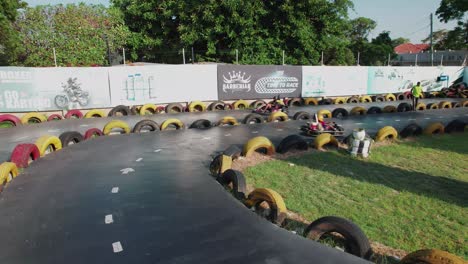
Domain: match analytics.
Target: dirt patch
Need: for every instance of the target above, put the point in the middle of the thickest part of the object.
(382, 250)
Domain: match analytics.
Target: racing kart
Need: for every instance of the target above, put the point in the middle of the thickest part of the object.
(316, 128)
(270, 108)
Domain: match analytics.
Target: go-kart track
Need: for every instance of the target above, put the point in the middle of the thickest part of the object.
(149, 197)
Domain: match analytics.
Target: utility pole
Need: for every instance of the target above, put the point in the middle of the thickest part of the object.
(358, 57)
(193, 56)
(432, 46)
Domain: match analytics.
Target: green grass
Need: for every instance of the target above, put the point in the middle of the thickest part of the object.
(409, 196)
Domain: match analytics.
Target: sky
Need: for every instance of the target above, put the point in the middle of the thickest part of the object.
(403, 18)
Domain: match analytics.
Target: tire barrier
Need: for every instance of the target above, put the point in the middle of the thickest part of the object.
(420, 107)
(257, 104)
(365, 99)
(216, 106)
(277, 208)
(401, 97)
(92, 133)
(220, 164)
(33, 118)
(355, 240)
(233, 151)
(24, 154)
(431, 256)
(196, 106)
(120, 110)
(445, 105)
(255, 144)
(374, 110)
(295, 102)
(235, 181)
(292, 142)
(10, 119)
(54, 117)
(70, 137)
(386, 133)
(404, 107)
(228, 107)
(172, 122)
(324, 113)
(455, 126)
(94, 113)
(146, 125)
(358, 110)
(340, 113)
(174, 108)
(353, 100)
(325, 139)
(310, 101)
(201, 124)
(325, 101)
(135, 110)
(389, 109)
(146, 109)
(228, 121)
(411, 130)
(280, 102)
(240, 104)
(408, 95)
(464, 103)
(47, 144)
(301, 116)
(8, 171)
(75, 113)
(378, 98)
(339, 100)
(456, 105)
(116, 124)
(278, 117)
(253, 119)
(432, 106)
(434, 128)
(390, 97)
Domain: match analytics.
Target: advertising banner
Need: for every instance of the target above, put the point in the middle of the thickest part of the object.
(162, 84)
(258, 82)
(320, 81)
(45, 89)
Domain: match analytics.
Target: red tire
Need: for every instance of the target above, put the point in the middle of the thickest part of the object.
(160, 109)
(74, 113)
(92, 132)
(228, 107)
(10, 118)
(23, 154)
(54, 117)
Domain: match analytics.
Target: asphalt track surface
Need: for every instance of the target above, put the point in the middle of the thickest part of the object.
(168, 210)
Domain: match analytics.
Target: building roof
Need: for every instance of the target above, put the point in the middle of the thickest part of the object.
(411, 48)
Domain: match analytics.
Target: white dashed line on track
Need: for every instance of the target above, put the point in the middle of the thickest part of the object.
(206, 138)
(411, 119)
(279, 129)
(254, 132)
(84, 125)
(117, 247)
(158, 150)
(108, 219)
(227, 135)
(115, 190)
(138, 160)
(427, 118)
(358, 123)
(127, 170)
(397, 120)
(379, 122)
(440, 117)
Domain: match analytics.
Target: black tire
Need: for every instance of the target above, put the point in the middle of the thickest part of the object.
(400, 97)
(356, 242)
(70, 137)
(429, 106)
(237, 179)
(455, 126)
(374, 110)
(153, 126)
(340, 113)
(346, 140)
(404, 107)
(201, 124)
(120, 109)
(353, 100)
(378, 98)
(295, 102)
(215, 166)
(456, 105)
(253, 119)
(216, 106)
(174, 108)
(233, 151)
(290, 142)
(135, 110)
(301, 116)
(325, 102)
(257, 104)
(411, 130)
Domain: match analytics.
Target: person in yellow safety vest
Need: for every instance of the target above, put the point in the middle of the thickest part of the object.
(416, 91)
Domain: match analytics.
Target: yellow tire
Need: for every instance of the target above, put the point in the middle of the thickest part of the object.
(389, 109)
(116, 124)
(325, 139)
(197, 106)
(95, 113)
(431, 256)
(228, 120)
(278, 210)
(47, 144)
(358, 110)
(258, 143)
(464, 103)
(8, 171)
(434, 128)
(278, 116)
(387, 132)
(33, 118)
(390, 97)
(445, 104)
(220, 164)
(365, 99)
(340, 100)
(310, 101)
(421, 107)
(151, 108)
(174, 122)
(240, 104)
(324, 113)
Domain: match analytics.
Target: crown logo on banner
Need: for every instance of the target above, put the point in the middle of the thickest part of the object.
(237, 77)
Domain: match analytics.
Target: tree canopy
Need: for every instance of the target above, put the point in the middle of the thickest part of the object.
(458, 37)
(9, 39)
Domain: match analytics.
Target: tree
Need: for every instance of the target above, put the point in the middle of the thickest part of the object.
(376, 52)
(9, 40)
(458, 37)
(260, 30)
(360, 29)
(399, 41)
(79, 33)
(452, 10)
